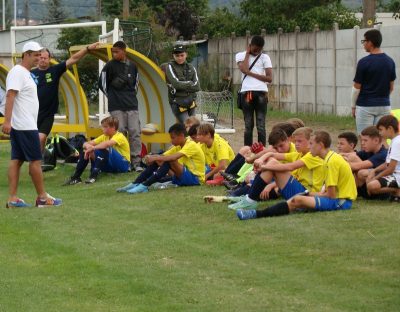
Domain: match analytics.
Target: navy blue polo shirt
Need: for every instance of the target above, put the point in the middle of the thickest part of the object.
(374, 73)
(376, 159)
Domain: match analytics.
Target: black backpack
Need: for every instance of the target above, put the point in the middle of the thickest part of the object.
(49, 156)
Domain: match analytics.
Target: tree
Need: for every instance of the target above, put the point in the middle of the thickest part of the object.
(394, 6)
(285, 14)
(179, 20)
(221, 23)
(55, 11)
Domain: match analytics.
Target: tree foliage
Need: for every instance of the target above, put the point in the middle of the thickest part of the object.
(394, 6)
(88, 66)
(56, 11)
(274, 14)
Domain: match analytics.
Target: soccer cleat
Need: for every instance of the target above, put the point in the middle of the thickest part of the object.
(140, 188)
(229, 176)
(126, 187)
(90, 180)
(163, 185)
(236, 199)
(243, 204)
(246, 214)
(217, 181)
(50, 201)
(139, 168)
(19, 203)
(72, 181)
(231, 185)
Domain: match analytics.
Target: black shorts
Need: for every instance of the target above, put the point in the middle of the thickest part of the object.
(388, 181)
(45, 123)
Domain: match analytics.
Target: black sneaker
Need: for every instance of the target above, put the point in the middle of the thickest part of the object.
(72, 181)
(230, 185)
(229, 176)
(91, 180)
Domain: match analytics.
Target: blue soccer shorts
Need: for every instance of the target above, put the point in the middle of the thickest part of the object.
(330, 204)
(186, 179)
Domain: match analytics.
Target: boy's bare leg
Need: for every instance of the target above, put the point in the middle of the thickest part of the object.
(301, 202)
(176, 167)
(361, 177)
(13, 178)
(374, 187)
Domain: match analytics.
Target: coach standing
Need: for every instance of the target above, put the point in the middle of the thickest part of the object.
(20, 121)
(373, 83)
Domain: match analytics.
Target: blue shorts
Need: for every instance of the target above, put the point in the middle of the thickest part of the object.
(292, 188)
(186, 179)
(25, 145)
(116, 162)
(329, 204)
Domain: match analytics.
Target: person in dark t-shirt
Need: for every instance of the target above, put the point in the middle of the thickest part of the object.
(48, 78)
(119, 81)
(372, 154)
(373, 83)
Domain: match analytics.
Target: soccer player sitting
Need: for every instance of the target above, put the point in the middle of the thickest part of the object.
(217, 151)
(185, 160)
(109, 152)
(347, 142)
(301, 172)
(372, 155)
(340, 188)
(386, 178)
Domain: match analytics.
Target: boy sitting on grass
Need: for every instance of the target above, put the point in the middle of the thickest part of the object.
(386, 177)
(301, 172)
(109, 152)
(347, 142)
(372, 154)
(278, 143)
(185, 161)
(340, 187)
(217, 151)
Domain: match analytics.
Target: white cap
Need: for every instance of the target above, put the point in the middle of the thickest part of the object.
(31, 46)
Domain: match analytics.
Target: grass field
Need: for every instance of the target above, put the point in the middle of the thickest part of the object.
(168, 251)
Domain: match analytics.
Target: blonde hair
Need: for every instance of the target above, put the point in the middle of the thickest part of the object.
(296, 122)
(305, 131)
(192, 121)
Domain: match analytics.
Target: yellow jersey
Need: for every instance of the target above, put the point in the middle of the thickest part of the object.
(338, 174)
(312, 174)
(219, 150)
(193, 158)
(121, 146)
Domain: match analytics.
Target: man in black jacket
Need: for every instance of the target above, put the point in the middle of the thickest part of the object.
(119, 82)
(183, 84)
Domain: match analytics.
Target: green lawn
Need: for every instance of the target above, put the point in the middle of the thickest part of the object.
(168, 251)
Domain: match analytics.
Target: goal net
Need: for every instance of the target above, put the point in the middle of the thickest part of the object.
(217, 109)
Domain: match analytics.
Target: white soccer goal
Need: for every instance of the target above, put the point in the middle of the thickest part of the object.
(217, 109)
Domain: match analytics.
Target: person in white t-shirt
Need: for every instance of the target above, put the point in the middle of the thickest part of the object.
(385, 179)
(20, 122)
(254, 89)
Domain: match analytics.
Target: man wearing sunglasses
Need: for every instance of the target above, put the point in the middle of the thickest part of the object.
(373, 83)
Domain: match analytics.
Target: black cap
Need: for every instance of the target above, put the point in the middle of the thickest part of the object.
(179, 48)
(120, 45)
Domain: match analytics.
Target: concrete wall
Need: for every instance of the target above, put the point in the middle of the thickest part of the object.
(312, 72)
